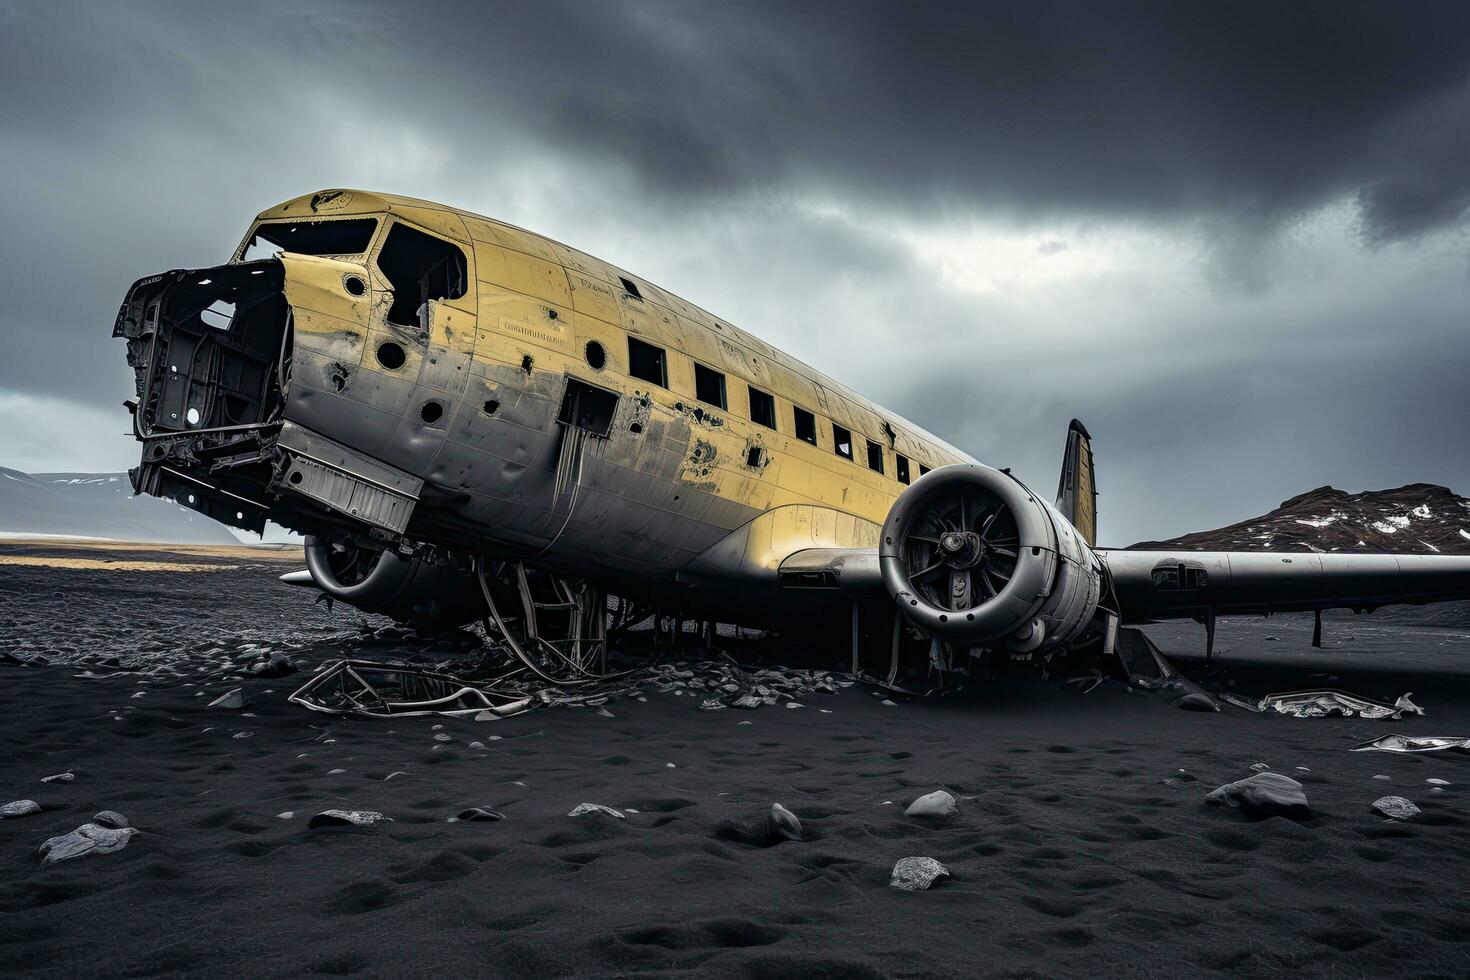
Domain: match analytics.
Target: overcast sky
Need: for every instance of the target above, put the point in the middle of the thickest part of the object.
(1232, 238)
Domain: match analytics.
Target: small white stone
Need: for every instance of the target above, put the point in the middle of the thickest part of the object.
(582, 809)
(60, 777)
(230, 699)
(335, 772)
(916, 874)
(20, 808)
(936, 804)
(358, 818)
(1395, 808)
(89, 838)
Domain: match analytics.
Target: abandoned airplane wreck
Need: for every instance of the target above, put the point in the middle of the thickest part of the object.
(468, 420)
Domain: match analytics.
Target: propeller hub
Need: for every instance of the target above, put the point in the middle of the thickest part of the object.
(961, 549)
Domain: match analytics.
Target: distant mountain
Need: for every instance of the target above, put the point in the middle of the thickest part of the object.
(98, 505)
(1420, 518)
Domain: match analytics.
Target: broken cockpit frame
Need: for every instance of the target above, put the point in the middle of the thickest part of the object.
(213, 352)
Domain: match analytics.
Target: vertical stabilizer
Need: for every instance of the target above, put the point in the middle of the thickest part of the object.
(1076, 492)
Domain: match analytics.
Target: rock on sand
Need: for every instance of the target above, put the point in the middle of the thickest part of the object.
(916, 874)
(1266, 794)
(345, 818)
(936, 804)
(20, 808)
(582, 809)
(1395, 808)
(783, 824)
(230, 700)
(89, 838)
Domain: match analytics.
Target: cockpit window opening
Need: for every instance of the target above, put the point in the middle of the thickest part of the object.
(630, 287)
(421, 268)
(349, 236)
(648, 363)
(842, 441)
(901, 467)
(875, 457)
(762, 408)
(806, 424)
(709, 386)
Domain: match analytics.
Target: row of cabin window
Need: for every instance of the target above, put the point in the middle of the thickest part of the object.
(649, 363)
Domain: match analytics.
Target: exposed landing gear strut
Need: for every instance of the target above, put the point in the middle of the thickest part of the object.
(556, 628)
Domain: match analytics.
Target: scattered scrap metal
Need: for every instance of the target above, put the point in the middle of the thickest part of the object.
(1325, 704)
(387, 690)
(1405, 743)
(360, 687)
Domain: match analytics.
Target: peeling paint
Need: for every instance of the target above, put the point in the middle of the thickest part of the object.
(700, 415)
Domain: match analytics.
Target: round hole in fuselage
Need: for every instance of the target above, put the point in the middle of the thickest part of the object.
(431, 412)
(355, 285)
(296, 477)
(491, 407)
(596, 356)
(391, 356)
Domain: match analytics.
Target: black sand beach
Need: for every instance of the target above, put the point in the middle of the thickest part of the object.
(1070, 855)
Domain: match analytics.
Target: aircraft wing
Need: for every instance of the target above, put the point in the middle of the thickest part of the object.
(1152, 585)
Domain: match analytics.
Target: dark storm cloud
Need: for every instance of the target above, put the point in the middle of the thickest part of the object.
(1246, 111)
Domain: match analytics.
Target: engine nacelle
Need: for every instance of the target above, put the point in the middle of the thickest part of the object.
(972, 556)
(410, 590)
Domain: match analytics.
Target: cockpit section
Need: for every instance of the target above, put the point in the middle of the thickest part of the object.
(254, 377)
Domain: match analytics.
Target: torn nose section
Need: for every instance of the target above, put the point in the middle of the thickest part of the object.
(211, 352)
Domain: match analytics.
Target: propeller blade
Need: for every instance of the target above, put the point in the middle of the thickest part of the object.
(959, 589)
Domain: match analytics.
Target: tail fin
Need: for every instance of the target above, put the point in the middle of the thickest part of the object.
(1076, 492)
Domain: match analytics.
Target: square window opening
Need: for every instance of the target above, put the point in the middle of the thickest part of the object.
(901, 467)
(841, 441)
(630, 287)
(588, 407)
(648, 363)
(762, 408)
(806, 425)
(923, 469)
(875, 457)
(709, 386)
